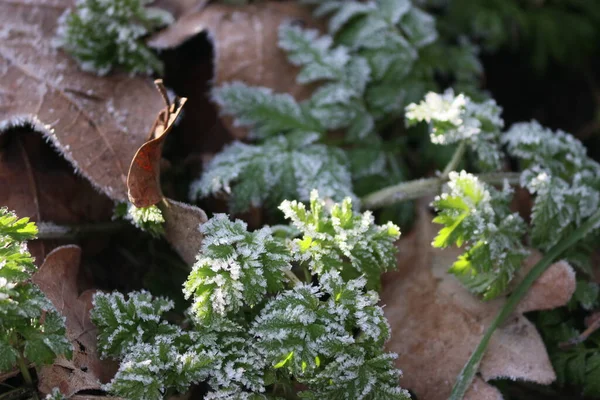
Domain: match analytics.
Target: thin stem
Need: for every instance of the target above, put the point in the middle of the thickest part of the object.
(456, 158)
(464, 379)
(26, 375)
(413, 190)
(49, 230)
(292, 277)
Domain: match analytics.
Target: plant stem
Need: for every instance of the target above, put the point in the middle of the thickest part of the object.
(413, 190)
(292, 277)
(26, 375)
(49, 230)
(456, 158)
(464, 379)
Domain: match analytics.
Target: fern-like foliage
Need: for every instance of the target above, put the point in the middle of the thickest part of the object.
(479, 217)
(558, 171)
(456, 119)
(250, 337)
(30, 327)
(337, 238)
(334, 346)
(235, 268)
(104, 34)
(282, 167)
(367, 67)
(123, 323)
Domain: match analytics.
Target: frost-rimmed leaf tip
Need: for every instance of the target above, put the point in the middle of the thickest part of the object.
(456, 118)
(478, 216)
(338, 238)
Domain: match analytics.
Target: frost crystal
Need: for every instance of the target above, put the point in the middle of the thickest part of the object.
(336, 236)
(479, 216)
(234, 268)
(453, 119)
(103, 34)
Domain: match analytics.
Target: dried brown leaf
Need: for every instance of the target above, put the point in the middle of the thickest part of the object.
(57, 278)
(143, 179)
(96, 122)
(36, 182)
(245, 45)
(182, 227)
(436, 323)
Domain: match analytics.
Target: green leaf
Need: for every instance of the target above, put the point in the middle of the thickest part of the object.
(320, 61)
(480, 217)
(337, 238)
(105, 35)
(266, 113)
(235, 268)
(283, 167)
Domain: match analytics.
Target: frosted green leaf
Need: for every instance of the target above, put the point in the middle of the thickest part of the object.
(264, 112)
(347, 11)
(148, 219)
(374, 377)
(561, 175)
(235, 268)
(419, 27)
(454, 119)
(294, 330)
(103, 34)
(337, 238)
(283, 167)
(479, 217)
(304, 47)
(148, 370)
(393, 10)
(29, 325)
(122, 323)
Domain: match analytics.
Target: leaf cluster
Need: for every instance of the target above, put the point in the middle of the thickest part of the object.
(376, 57)
(104, 34)
(558, 171)
(338, 239)
(30, 327)
(249, 336)
(479, 217)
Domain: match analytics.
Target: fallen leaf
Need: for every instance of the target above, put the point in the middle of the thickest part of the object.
(97, 123)
(143, 178)
(182, 221)
(35, 181)
(57, 278)
(436, 323)
(245, 45)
